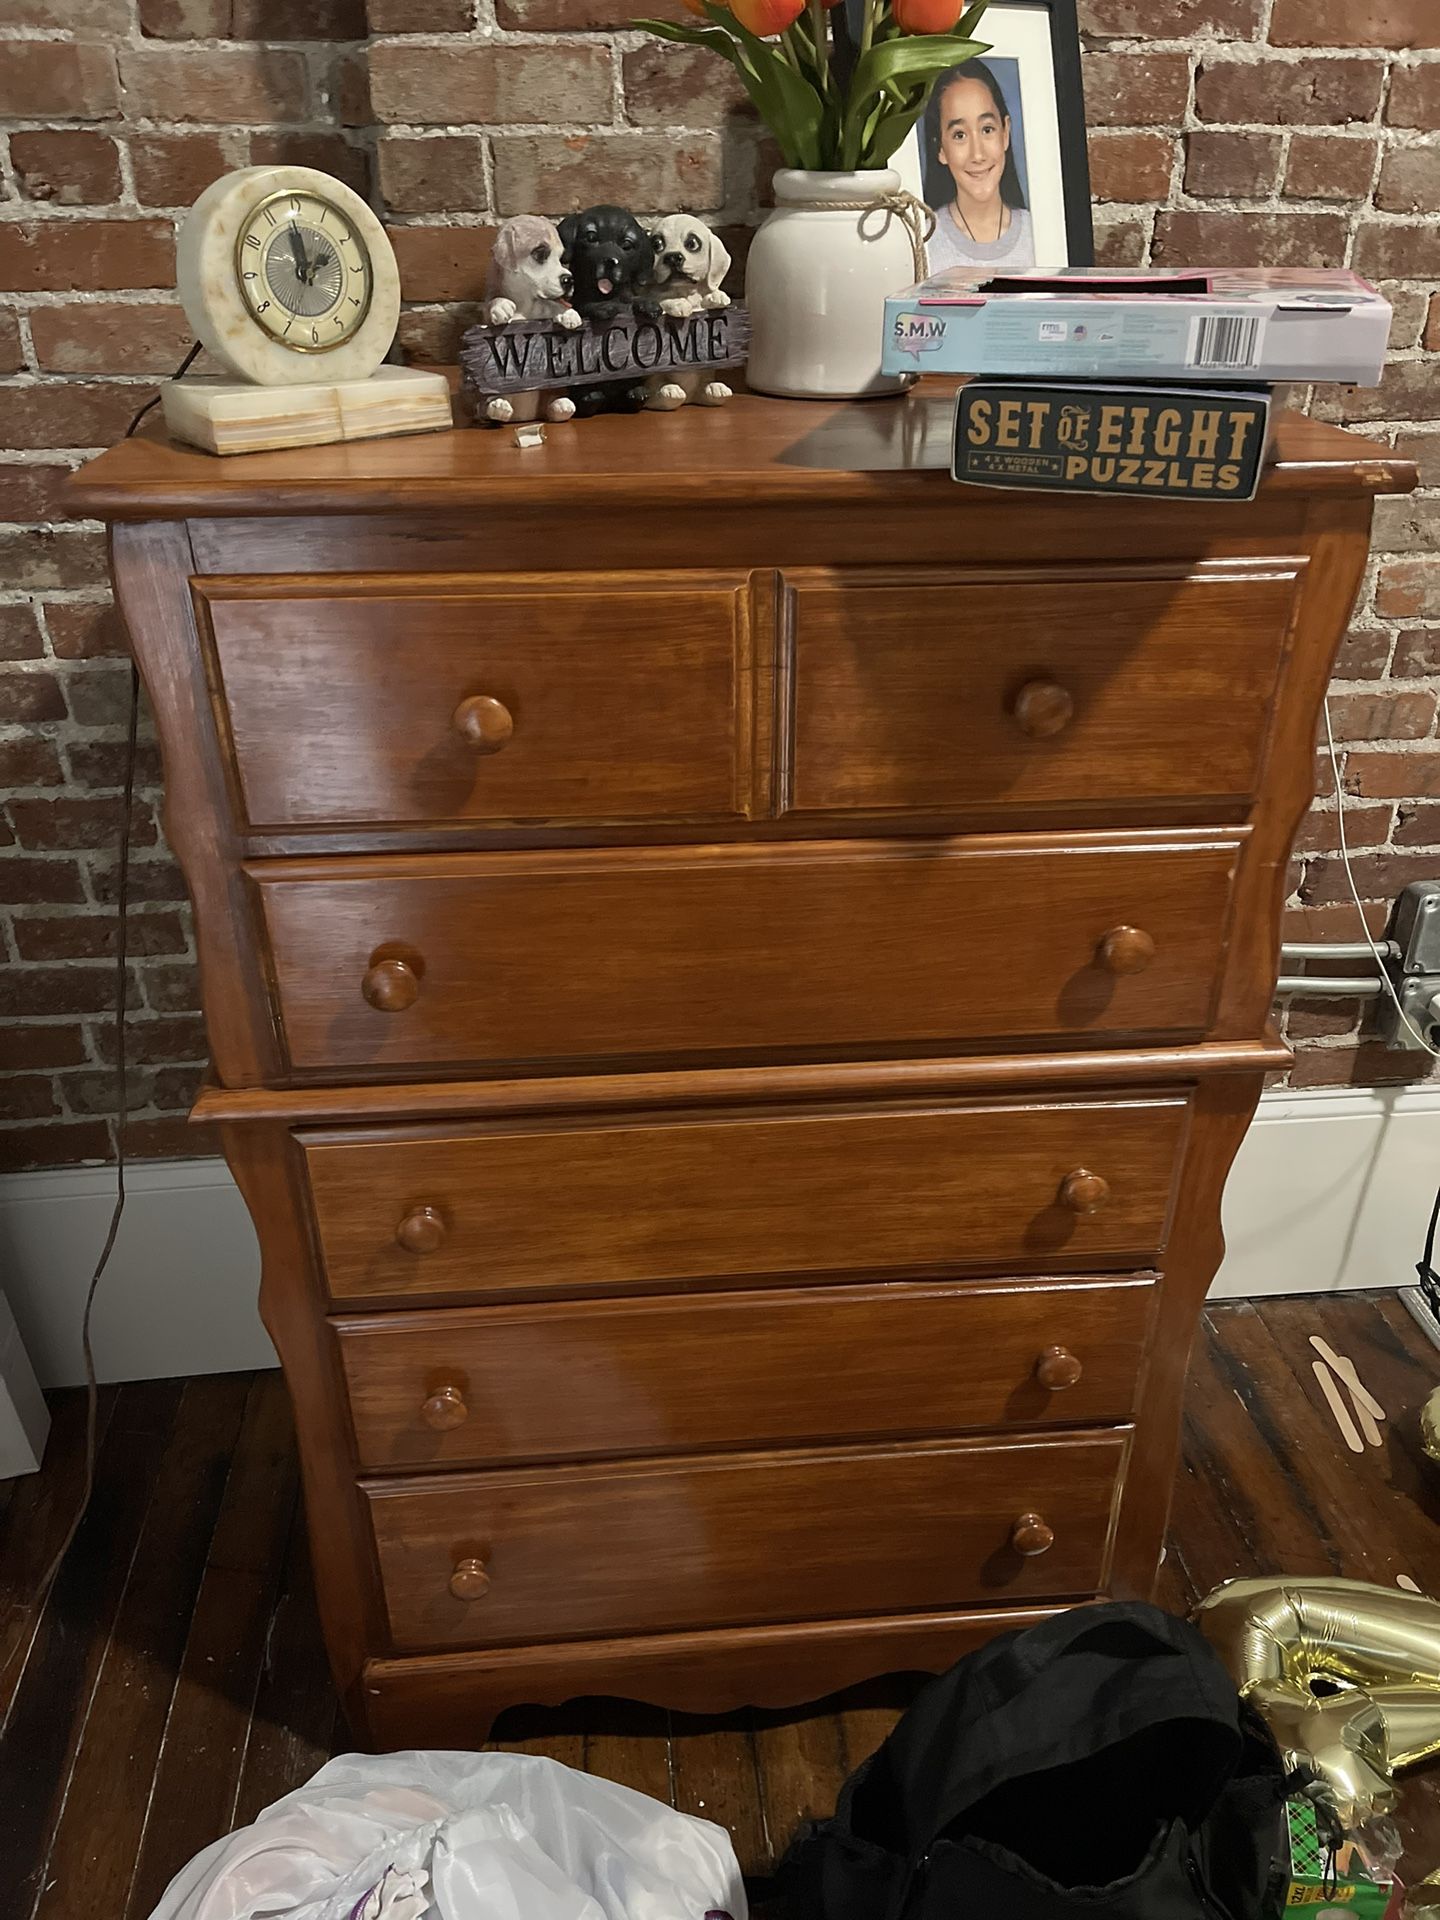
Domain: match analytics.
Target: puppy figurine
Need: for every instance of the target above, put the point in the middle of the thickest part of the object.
(688, 264)
(609, 254)
(529, 280)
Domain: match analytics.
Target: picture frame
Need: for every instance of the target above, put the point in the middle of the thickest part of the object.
(1044, 178)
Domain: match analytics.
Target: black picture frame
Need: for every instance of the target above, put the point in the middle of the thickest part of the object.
(1064, 41)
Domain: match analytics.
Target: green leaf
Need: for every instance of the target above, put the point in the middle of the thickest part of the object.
(916, 58)
(970, 20)
(692, 36)
(789, 103)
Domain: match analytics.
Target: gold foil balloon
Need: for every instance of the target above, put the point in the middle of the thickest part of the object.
(1430, 1425)
(1347, 1675)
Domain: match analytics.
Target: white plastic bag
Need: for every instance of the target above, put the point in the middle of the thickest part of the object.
(462, 1836)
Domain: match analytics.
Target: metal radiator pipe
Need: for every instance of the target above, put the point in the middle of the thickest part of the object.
(1341, 987)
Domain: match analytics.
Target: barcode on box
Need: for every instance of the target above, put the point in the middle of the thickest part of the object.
(1225, 340)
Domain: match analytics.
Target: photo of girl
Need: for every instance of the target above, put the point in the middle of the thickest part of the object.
(974, 165)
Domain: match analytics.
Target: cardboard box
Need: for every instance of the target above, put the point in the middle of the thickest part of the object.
(1160, 442)
(1252, 326)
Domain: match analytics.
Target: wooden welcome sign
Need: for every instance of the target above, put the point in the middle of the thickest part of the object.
(534, 354)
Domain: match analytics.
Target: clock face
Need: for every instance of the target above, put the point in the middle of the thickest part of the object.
(305, 272)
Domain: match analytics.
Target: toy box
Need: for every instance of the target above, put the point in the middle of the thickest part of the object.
(1253, 326)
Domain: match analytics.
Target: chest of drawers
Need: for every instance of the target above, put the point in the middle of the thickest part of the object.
(735, 971)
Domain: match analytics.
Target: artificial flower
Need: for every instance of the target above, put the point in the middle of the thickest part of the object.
(927, 16)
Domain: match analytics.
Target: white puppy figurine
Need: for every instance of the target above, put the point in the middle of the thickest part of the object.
(690, 263)
(529, 280)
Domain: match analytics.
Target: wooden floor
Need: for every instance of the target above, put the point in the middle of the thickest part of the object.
(175, 1684)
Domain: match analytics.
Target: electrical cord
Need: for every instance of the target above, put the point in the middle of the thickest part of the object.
(122, 913)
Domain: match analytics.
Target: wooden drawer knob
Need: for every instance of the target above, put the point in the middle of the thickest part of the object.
(1083, 1191)
(1043, 709)
(1031, 1535)
(470, 1581)
(1126, 950)
(1057, 1368)
(423, 1230)
(483, 723)
(390, 986)
(445, 1410)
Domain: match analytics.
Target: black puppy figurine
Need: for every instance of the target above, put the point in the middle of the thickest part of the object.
(609, 254)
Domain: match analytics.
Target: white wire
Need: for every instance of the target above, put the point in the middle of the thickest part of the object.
(1388, 983)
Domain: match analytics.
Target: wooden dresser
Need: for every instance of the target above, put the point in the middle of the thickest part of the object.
(736, 970)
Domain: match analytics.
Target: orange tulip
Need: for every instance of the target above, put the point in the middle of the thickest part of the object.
(767, 17)
(927, 16)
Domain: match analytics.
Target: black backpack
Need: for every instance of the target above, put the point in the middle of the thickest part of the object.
(1100, 1764)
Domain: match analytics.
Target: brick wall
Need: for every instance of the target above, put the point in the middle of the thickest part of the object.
(1223, 130)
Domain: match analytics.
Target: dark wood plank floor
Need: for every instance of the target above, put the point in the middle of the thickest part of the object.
(174, 1684)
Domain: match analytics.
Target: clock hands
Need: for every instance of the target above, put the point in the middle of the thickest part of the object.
(303, 268)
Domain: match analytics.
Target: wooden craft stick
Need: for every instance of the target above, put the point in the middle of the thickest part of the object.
(1338, 1408)
(1346, 1370)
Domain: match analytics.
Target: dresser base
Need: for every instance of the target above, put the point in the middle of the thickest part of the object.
(451, 1699)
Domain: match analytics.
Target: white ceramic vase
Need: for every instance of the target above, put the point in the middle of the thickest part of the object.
(816, 282)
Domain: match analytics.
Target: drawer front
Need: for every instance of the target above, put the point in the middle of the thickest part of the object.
(398, 963)
(470, 1387)
(575, 1551)
(369, 704)
(1033, 693)
(474, 1211)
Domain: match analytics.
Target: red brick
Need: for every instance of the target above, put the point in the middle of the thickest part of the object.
(1418, 824)
(1355, 23)
(70, 168)
(1315, 93)
(12, 353)
(110, 336)
(299, 20)
(1321, 1019)
(1320, 832)
(73, 988)
(29, 763)
(50, 883)
(27, 697)
(152, 880)
(436, 175)
(1171, 19)
(1408, 311)
(477, 84)
(175, 1088)
(91, 936)
(156, 1041)
(578, 16)
(94, 1091)
(1390, 776)
(40, 559)
(1417, 653)
(85, 630)
(1415, 97)
(1330, 166)
(1408, 390)
(1226, 239)
(1364, 1066)
(1231, 165)
(1136, 89)
(1404, 524)
(103, 17)
(647, 171)
(1131, 167)
(1431, 338)
(185, 19)
(1424, 450)
(420, 16)
(348, 89)
(330, 152)
(171, 989)
(26, 1096)
(1378, 876)
(173, 169)
(1409, 590)
(1364, 654)
(88, 413)
(170, 1138)
(668, 85)
(58, 80)
(235, 86)
(77, 825)
(30, 492)
(1409, 180)
(101, 763)
(431, 336)
(1333, 923)
(100, 697)
(45, 1044)
(60, 1143)
(1121, 242)
(1378, 716)
(61, 256)
(20, 634)
(443, 263)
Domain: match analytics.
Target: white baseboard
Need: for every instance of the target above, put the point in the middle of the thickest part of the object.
(1331, 1192)
(24, 1418)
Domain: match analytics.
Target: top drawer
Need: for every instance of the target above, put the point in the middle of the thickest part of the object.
(917, 692)
(394, 702)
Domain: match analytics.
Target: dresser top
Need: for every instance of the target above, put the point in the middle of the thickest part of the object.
(752, 452)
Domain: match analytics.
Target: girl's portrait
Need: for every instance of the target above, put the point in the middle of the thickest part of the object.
(974, 165)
